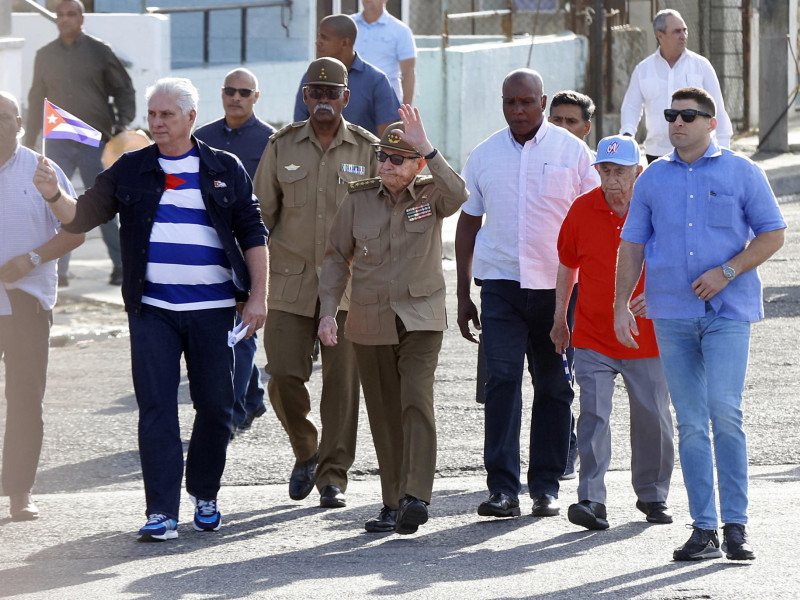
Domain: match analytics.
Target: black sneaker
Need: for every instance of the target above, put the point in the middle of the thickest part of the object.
(734, 542)
(703, 544)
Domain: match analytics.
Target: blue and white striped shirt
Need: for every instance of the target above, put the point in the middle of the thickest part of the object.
(187, 268)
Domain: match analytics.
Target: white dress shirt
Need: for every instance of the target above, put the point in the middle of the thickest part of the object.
(525, 193)
(652, 83)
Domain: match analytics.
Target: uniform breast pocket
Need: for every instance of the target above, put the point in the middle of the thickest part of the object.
(418, 237)
(294, 185)
(368, 245)
(721, 211)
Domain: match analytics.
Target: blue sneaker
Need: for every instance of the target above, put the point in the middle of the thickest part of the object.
(206, 515)
(159, 528)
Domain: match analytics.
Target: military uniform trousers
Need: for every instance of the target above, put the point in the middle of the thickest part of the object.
(398, 389)
(289, 343)
(652, 451)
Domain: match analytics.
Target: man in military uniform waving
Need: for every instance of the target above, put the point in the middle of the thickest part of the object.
(300, 182)
(388, 232)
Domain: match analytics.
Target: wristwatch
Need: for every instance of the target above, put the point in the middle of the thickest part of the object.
(729, 272)
(36, 260)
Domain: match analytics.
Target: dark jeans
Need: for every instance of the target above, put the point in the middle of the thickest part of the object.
(24, 347)
(247, 387)
(69, 156)
(513, 318)
(158, 338)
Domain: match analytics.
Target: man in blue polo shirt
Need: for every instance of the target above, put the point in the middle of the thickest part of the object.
(373, 103)
(242, 133)
(704, 218)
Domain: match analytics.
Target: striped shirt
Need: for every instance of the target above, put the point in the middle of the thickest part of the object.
(26, 222)
(187, 268)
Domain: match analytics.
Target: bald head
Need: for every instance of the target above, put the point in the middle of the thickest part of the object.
(342, 26)
(9, 101)
(527, 75)
(10, 126)
(243, 74)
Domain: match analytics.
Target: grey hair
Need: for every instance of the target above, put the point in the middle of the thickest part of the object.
(186, 95)
(660, 22)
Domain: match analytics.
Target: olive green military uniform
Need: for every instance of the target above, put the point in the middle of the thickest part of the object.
(397, 314)
(300, 188)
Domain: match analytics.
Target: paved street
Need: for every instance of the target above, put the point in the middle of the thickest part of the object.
(90, 494)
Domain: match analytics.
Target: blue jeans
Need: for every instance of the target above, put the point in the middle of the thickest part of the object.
(70, 155)
(247, 387)
(705, 362)
(511, 319)
(158, 338)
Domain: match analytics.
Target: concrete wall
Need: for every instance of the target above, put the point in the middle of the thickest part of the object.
(140, 41)
(11, 65)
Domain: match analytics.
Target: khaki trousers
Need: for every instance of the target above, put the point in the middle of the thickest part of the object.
(289, 342)
(398, 389)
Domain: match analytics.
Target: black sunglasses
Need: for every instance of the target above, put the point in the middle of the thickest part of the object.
(332, 93)
(688, 114)
(395, 159)
(243, 92)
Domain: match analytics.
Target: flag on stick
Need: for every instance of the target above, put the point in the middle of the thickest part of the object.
(60, 125)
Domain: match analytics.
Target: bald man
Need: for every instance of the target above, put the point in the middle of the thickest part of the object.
(514, 255)
(373, 103)
(242, 133)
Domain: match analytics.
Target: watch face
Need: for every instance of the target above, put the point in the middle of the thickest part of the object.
(35, 259)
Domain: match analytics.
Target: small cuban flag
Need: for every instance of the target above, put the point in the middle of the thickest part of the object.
(60, 125)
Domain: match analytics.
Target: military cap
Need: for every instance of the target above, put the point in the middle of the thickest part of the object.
(393, 141)
(327, 71)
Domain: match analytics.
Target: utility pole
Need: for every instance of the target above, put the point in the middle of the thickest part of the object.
(773, 64)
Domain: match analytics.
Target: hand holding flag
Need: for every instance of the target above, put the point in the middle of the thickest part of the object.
(61, 125)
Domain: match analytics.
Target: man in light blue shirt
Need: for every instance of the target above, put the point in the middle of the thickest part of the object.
(703, 218)
(388, 43)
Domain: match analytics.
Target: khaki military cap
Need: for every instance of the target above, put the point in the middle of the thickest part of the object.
(393, 141)
(327, 71)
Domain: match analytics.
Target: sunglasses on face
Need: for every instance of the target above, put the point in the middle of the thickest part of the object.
(688, 114)
(395, 159)
(332, 93)
(243, 92)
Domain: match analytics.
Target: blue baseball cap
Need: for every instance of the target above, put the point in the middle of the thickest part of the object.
(618, 149)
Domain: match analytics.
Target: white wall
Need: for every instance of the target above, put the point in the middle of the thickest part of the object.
(11, 65)
(142, 41)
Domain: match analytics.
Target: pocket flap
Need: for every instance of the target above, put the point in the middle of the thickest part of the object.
(287, 265)
(285, 176)
(425, 287)
(361, 232)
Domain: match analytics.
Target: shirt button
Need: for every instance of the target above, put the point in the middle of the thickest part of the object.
(286, 270)
(690, 170)
(691, 195)
(322, 164)
(320, 189)
(691, 224)
(394, 235)
(691, 253)
(319, 215)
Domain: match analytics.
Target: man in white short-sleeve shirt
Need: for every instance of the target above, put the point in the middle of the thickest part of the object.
(388, 43)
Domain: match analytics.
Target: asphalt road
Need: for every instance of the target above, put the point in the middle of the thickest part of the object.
(89, 489)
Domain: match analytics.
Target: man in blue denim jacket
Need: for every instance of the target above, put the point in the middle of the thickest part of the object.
(187, 212)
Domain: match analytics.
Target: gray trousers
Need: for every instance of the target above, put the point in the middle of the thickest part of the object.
(652, 451)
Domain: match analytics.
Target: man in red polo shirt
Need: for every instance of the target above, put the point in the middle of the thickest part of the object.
(588, 242)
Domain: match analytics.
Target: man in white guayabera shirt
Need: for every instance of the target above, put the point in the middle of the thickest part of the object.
(183, 208)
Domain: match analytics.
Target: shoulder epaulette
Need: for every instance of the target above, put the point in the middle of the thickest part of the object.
(364, 184)
(365, 133)
(424, 180)
(285, 129)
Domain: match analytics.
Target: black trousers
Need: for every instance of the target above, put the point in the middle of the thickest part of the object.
(24, 347)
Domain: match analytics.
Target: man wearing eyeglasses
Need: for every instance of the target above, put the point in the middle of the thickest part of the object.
(388, 234)
(693, 216)
(670, 67)
(300, 182)
(242, 133)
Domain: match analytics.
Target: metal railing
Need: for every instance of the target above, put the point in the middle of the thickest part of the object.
(506, 15)
(34, 7)
(242, 7)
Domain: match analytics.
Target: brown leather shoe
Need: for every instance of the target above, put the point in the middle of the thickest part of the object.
(22, 508)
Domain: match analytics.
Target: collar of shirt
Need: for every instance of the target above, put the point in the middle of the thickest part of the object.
(712, 150)
(343, 134)
(681, 58)
(535, 140)
(358, 63)
(249, 123)
(382, 20)
(76, 44)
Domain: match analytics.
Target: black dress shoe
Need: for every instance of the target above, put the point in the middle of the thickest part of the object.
(22, 508)
(657, 512)
(591, 515)
(545, 506)
(499, 505)
(331, 497)
(250, 417)
(384, 522)
(411, 513)
(302, 480)
(116, 277)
